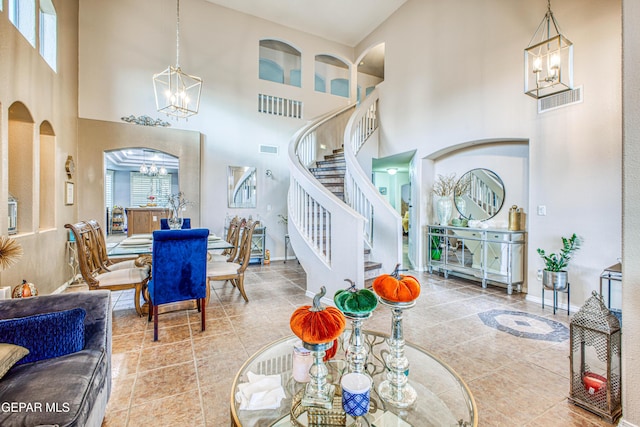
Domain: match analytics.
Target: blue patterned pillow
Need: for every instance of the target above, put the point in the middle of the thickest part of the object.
(46, 335)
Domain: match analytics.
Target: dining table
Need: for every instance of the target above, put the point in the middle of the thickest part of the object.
(141, 246)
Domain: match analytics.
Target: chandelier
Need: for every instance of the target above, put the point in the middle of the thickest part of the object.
(177, 93)
(548, 60)
(150, 170)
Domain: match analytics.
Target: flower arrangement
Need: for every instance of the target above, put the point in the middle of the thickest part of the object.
(177, 202)
(444, 185)
(462, 186)
(10, 252)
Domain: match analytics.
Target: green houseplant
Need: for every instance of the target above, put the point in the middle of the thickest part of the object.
(554, 275)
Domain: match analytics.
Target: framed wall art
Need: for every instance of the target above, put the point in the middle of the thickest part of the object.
(69, 193)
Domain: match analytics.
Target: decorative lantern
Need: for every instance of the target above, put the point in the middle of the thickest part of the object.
(595, 360)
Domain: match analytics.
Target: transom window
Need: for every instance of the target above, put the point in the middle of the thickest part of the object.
(22, 14)
(48, 33)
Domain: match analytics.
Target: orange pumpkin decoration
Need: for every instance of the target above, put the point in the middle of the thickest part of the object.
(331, 352)
(316, 324)
(396, 287)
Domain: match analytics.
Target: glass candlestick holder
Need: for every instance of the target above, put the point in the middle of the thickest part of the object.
(356, 354)
(318, 392)
(396, 389)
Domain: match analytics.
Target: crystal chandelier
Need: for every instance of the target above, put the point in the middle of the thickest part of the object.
(548, 60)
(177, 93)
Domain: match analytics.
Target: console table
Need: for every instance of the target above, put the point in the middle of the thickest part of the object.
(443, 398)
(485, 255)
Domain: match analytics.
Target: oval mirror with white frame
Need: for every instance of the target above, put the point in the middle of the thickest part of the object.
(241, 186)
(479, 194)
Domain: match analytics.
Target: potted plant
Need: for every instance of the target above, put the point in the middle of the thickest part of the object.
(555, 276)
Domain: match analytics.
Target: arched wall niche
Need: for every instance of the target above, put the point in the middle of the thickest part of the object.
(370, 70)
(47, 171)
(334, 70)
(280, 62)
(22, 134)
(507, 157)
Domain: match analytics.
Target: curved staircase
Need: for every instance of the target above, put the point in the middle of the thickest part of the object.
(331, 203)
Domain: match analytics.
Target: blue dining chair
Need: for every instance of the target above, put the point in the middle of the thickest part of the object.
(178, 271)
(186, 224)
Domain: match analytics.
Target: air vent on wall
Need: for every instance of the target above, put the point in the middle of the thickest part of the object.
(277, 106)
(562, 99)
(268, 149)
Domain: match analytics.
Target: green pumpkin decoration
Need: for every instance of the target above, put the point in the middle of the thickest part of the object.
(355, 301)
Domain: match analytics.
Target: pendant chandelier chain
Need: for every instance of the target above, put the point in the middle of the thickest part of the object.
(178, 34)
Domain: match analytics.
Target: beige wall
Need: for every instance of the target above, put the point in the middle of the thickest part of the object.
(447, 85)
(630, 217)
(53, 97)
(95, 137)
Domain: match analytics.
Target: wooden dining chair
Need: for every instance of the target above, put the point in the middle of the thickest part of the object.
(233, 238)
(179, 271)
(96, 276)
(234, 271)
(112, 264)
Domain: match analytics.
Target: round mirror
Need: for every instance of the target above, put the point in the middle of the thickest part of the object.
(479, 194)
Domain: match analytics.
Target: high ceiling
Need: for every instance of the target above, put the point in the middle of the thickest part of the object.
(346, 22)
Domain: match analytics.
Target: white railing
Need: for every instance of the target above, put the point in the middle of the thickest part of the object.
(326, 234)
(383, 225)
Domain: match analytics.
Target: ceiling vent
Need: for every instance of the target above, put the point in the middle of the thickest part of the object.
(268, 149)
(559, 100)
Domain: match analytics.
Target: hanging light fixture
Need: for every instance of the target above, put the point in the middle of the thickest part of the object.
(548, 60)
(177, 93)
(143, 167)
(163, 170)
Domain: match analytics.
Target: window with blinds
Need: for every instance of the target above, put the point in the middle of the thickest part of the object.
(150, 189)
(108, 190)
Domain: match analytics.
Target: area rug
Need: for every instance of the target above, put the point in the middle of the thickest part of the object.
(525, 325)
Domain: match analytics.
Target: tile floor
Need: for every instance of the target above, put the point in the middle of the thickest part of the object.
(184, 379)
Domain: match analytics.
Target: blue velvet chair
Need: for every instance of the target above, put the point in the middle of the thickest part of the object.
(179, 270)
(186, 224)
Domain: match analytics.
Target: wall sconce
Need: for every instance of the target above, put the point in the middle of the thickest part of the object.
(392, 171)
(548, 60)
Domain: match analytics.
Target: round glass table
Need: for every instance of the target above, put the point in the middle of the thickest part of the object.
(443, 398)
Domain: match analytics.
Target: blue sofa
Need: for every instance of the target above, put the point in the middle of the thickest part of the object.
(69, 390)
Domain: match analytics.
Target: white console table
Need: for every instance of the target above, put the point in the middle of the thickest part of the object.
(493, 256)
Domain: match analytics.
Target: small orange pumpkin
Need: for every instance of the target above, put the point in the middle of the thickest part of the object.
(331, 352)
(396, 287)
(317, 324)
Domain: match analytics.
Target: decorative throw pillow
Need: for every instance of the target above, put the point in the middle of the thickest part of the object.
(46, 335)
(9, 355)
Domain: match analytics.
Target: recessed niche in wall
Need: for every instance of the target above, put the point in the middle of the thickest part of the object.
(370, 70)
(47, 188)
(332, 74)
(279, 62)
(21, 134)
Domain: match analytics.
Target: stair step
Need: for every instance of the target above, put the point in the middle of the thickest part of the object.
(333, 187)
(372, 265)
(327, 170)
(331, 179)
(338, 156)
(330, 163)
(338, 150)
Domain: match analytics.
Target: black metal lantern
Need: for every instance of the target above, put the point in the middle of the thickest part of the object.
(595, 360)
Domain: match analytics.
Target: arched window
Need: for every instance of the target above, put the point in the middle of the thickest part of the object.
(335, 71)
(22, 13)
(48, 33)
(279, 62)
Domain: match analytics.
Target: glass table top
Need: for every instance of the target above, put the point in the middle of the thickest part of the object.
(443, 398)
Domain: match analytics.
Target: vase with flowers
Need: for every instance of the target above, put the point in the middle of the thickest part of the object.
(177, 204)
(443, 190)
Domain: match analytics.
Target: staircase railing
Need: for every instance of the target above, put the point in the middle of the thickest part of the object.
(326, 234)
(383, 225)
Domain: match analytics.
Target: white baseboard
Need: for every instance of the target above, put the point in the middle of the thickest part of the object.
(624, 423)
(65, 285)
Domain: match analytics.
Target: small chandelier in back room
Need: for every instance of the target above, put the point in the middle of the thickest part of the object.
(548, 60)
(177, 93)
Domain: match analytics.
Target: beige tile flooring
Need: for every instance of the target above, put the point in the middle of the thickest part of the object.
(185, 378)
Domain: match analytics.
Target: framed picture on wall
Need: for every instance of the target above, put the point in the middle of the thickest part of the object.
(68, 193)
